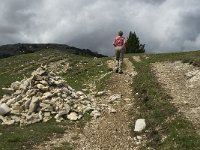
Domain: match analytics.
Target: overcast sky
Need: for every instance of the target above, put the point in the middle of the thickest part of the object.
(163, 25)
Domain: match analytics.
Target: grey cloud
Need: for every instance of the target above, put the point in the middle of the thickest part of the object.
(153, 1)
(163, 25)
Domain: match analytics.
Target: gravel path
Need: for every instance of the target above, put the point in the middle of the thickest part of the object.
(182, 82)
(112, 130)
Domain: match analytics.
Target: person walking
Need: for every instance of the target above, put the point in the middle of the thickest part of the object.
(120, 46)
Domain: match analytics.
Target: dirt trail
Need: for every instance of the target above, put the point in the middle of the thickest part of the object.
(112, 130)
(182, 82)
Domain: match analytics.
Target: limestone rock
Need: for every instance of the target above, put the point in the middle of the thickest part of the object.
(8, 122)
(139, 137)
(95, 114)
(27, 102)
(72, 116)
(115, 97)
(16, 119)
(47, 95)
(79, 93)
(8, 90)
(10, 101)
(42, 87)
(24, 85)
(85, 90)
(33, 118)
(112, 110)
(47, 114)
(40, 71)
(4, 109)
(140, 125)
(100, 93)
(34, 105)
(67, 108)
(43, 82)
(15, 85)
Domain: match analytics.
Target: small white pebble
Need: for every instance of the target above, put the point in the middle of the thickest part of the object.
(139, 137)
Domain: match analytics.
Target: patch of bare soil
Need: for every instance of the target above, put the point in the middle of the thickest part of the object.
(182, 82)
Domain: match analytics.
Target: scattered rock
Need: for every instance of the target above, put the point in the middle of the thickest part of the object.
(42, 87)
(79, 93)
(34, 105)
(95, 113)
(15, 85)
(8, 90)
(112, 110)
(72, 116)
(100, 93)
(85, 90)
(192, 73)
(4, 109)
(30, 119)
(139, 137)
(42, 96)
(127, 99)
(9, 122)
(67, 108)
(140, 125)
(115, 97)
(47, 114)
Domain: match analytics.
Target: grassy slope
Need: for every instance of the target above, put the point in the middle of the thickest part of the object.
(84, 70)
(167, 129)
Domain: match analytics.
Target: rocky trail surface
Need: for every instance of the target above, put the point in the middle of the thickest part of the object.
(112, 129)
(110, 126)
(182, 82)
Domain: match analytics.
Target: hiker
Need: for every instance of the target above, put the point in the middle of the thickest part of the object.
(119, 44)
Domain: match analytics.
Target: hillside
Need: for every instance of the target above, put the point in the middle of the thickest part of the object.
(162, 89)
(24, 48)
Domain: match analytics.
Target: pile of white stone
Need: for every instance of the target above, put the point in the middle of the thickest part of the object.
(42, 97)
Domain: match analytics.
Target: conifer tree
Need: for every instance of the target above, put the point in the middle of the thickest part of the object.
(133, 44)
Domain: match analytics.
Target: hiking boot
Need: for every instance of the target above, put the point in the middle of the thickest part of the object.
(116, 70)
(120, 72)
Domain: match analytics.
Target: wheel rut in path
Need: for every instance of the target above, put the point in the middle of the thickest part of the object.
(182, 83)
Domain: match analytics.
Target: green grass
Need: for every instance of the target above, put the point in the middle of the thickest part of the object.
(186, 57)
(16, 137)
(85, 70)
(154, 105)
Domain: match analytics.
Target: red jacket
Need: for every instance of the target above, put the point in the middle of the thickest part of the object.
(119, 41)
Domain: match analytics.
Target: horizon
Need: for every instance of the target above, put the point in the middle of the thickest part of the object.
(98, 52)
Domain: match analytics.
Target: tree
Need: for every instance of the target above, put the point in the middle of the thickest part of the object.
(133, 44)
